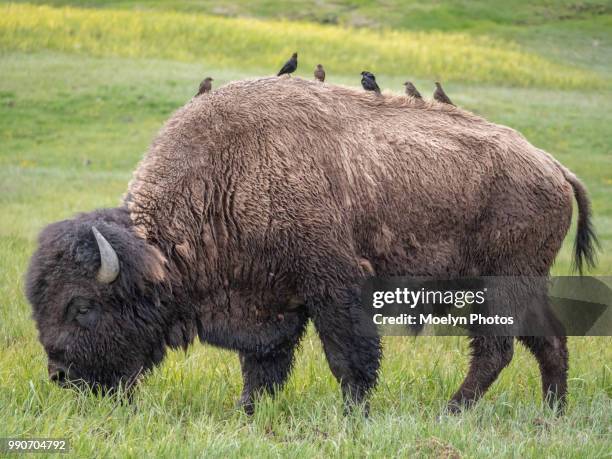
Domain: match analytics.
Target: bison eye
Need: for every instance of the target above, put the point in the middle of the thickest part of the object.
(82, 311)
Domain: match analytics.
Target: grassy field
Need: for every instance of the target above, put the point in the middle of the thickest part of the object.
(255, 45)
(74, 121)
(445, 15)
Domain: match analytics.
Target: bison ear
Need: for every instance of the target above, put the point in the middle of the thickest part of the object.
(109, 262)
(155, 265)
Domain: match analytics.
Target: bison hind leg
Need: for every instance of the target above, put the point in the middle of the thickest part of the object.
(490, 355)
(552, 356)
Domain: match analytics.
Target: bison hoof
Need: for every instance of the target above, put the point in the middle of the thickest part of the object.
(246, 403)
(455, 407)
(362, 408)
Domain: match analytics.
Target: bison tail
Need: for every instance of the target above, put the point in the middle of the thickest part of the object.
(586, 243)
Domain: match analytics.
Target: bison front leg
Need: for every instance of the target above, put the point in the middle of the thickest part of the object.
(353, 353)
(266, 372)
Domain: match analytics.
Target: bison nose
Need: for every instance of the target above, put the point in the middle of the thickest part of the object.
(57, 374)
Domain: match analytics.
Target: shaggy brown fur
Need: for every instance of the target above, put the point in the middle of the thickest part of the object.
(267, 203)
(409, 185)
(287, 177)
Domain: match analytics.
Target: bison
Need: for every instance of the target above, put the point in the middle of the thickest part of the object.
(263, 206)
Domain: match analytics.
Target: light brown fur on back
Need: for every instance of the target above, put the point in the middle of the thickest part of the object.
(273, 171)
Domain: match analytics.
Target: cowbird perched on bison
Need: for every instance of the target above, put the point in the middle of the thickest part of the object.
(368, 81)
(319, 73)
(290, 66)
(205, 86)
(440, 95)
(412, 91)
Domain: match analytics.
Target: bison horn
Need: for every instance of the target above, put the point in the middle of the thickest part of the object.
(109, 263)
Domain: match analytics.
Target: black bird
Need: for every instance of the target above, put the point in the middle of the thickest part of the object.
(440, 95)
(205, 86)
(289, 66)
(412, 91)
(368, 81)
(319, 73)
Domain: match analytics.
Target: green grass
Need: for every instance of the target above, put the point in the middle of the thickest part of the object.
(566, 31)
(72, 128)
(255, 45)
(410, 14)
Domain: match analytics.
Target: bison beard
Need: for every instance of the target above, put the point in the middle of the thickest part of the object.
(256, 210)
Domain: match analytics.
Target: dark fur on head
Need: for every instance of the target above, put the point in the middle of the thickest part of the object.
(103, 334)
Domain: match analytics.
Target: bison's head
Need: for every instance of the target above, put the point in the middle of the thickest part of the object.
(95, 289)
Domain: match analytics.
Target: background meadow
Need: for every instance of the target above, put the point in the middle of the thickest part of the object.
(84, 87)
